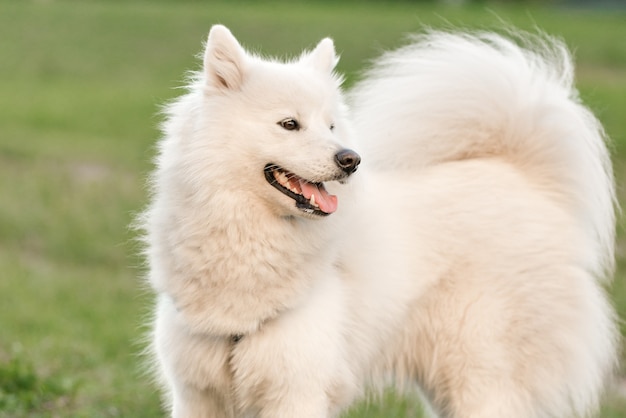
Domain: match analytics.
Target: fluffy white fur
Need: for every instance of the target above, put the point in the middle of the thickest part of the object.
(466, 255)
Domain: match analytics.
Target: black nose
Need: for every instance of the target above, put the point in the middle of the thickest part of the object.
(347, 160)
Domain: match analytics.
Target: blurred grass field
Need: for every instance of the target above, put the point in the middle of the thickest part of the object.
(80, 86)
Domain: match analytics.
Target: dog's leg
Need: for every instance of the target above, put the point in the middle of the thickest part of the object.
(295, 366)
(191, 402)
(534, 343)
(195, 367)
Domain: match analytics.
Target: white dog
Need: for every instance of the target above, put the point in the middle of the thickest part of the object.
(467, 254)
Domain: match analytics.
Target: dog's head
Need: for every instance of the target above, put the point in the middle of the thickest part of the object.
(282, 123)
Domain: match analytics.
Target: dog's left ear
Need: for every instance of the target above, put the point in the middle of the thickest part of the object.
(323, 57)
(224, 59)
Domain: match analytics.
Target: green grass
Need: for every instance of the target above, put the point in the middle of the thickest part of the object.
(81, 84)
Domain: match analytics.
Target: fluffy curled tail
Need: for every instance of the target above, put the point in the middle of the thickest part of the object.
(448, 97)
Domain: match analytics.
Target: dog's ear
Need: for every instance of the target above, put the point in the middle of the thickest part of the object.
(323, 57)
(224, 59)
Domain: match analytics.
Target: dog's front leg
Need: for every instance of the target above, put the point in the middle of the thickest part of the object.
(194, 367)
(295, 366)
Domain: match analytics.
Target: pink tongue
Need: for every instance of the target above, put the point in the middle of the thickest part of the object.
(326, 202)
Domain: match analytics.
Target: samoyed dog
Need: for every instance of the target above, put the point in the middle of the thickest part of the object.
(448, 226)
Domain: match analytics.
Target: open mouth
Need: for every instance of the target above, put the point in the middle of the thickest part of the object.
(310, 197)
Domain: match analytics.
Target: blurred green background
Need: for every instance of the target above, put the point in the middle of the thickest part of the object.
(81, 84)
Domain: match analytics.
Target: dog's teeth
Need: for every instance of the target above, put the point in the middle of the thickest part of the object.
(282, 178)
(312, 200)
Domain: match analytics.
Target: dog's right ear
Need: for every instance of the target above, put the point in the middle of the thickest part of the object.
(224, 59)
(323, 57)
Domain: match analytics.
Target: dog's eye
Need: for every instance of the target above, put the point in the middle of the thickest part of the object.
(289, 124)
(332, 126)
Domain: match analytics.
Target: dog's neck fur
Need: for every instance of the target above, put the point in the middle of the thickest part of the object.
(220, 266)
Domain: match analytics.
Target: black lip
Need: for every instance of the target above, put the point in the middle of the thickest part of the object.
(302, 202)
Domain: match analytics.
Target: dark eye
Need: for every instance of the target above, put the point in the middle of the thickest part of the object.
(289, 124)
(332, 126)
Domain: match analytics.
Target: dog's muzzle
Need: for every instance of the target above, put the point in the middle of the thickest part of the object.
(311, 197)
